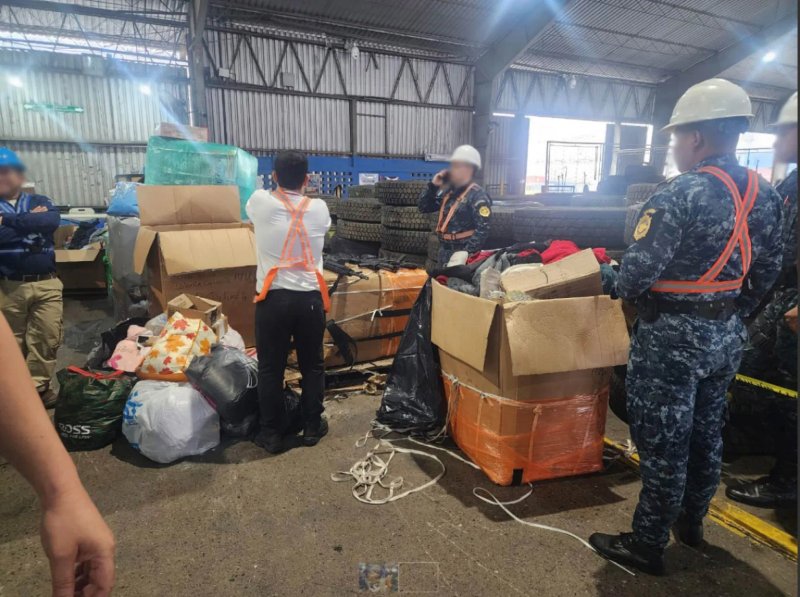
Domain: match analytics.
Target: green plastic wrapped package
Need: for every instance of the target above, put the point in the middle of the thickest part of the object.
(180, 162)
(89, 409)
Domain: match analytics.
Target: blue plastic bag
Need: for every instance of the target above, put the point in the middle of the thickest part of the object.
(123, 201)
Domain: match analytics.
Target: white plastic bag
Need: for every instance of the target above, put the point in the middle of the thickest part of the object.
(167, 421)
(232, 339)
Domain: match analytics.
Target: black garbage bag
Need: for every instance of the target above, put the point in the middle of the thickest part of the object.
(109, 339)
(248, 427)
(412, 399)
(88, 413)
(228, 379)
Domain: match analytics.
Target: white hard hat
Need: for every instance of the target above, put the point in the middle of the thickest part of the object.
(467, 154)
(788, 114)
(710, 100)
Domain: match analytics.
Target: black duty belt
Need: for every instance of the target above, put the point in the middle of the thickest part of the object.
(651, 308)
(29, 277)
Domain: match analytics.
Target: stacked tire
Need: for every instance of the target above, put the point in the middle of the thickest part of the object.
(358, 220)
(585, 226)
(404, 230)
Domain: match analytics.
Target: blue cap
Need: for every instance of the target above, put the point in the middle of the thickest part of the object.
(9, 159)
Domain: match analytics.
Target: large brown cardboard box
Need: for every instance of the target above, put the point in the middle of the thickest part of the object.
(181, 131)
(192, 241)
(78, 269)
(527, 383)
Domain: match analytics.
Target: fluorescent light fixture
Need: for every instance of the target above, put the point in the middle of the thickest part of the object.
(15, 81)
(144, 89)
(769, 56)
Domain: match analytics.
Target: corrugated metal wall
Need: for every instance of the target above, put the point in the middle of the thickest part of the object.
(257, 109)
(73, 156)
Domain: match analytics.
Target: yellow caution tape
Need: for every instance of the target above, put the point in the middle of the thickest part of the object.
(766, 386)
(734, 518)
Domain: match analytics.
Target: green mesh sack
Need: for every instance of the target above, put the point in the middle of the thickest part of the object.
(89, 409)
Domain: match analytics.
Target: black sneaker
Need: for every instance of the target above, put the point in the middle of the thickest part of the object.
(313, 433)
(690, 533)
(626, 550)
(767, 492)
(269, 440)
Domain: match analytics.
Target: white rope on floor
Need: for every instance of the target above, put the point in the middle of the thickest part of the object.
(370, 472)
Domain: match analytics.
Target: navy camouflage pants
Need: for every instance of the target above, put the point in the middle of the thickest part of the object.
(679, 370)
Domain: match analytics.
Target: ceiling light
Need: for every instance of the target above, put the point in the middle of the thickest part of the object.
(145, 89)
(15, 81)
(355, 52)
(573, 82)
(769, 56)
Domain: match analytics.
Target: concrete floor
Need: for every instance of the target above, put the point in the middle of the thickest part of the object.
(238, 521)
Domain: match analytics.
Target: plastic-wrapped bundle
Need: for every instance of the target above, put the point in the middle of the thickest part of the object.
(520, 441)
(180, 162)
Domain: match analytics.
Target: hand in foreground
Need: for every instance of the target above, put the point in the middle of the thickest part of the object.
(791, 319)
(440, 178)
(39, 209)
(79, 545)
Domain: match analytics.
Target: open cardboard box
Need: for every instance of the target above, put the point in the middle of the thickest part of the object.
(528, 350)
(195, 307)
(192, 241)
(78, 269)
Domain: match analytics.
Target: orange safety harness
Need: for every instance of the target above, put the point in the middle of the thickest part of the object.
(297, 232)
(441, 226)
(708, 282)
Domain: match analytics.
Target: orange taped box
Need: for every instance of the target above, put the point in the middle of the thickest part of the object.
(373, 312)
(192, 241)
(527, 382)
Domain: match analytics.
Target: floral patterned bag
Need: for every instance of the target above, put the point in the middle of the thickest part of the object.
(179, 342)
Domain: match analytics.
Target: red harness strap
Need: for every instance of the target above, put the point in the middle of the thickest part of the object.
(297, 232)
(740, 236)
(441, 226)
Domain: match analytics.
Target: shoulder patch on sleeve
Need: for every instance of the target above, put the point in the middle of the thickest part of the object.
(484, 211)
(648, 221)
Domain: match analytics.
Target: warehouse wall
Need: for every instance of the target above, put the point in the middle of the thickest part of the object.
(267, 94)
(72, 155)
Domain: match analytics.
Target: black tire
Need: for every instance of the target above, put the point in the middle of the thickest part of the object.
(551, 199)
(617, 396)
(333, 203)
(359, 210)
(418, 260)
(585, 226)
(406, 218)
(362, 231)
(502, 223)
(631, 219)
(596, 200)
(639, 193)
(361, 191)
(396, 192)
(405, 241)
(433, 247)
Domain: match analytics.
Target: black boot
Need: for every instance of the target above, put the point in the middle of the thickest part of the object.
(271, 441)
(689, 532)
(626, 550)
(313, 433)
(767, 492)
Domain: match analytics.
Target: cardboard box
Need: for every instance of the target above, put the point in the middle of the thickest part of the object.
(195, 307)
(192, 241)
(181, 131)
(574, 276)
(527, 383)
(79, 269)
(506, 344)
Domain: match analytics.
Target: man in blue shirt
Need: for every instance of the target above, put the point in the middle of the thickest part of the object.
(30, 291)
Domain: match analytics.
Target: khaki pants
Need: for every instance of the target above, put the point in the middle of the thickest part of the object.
(35, 311)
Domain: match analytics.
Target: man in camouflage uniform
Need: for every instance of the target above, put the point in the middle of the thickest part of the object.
(772, 352)
(465, 210)
(707, 249)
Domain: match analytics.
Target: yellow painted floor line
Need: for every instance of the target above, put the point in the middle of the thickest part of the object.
(734, 518)
(766, 386)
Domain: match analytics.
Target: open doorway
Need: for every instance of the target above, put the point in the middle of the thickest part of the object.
(564, 154)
